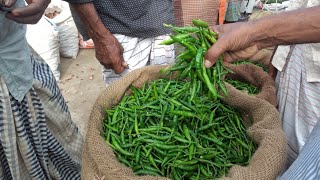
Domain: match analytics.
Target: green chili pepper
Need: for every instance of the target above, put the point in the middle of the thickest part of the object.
(158, 129)
(191, 151)
(191, 49)
(118, 147)
(200, 23)
(171, 41)
(209, 37)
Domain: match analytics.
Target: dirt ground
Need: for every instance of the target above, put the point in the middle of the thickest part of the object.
(81, 83)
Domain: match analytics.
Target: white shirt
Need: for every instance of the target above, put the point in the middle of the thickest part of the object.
(312, 59)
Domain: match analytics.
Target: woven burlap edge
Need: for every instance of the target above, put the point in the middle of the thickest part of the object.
(255, 75)
(270, 157)
(100, 162)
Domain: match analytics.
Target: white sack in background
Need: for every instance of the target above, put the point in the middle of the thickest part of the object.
(68, 32)
(43, 37)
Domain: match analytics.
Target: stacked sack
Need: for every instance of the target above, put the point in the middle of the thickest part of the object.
(54, 36)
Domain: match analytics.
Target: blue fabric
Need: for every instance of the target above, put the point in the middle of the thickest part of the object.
(15, 61)
(307, 165)
(233, 11)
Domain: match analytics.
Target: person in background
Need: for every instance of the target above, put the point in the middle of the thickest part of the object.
(297, 83)
(38, 140)
(126, 33)
(233, 11)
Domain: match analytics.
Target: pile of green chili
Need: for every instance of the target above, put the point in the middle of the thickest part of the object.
(158, 130)
(264, 68)
(180, 128)
(190, 62)
(196, 41)
(243, 86)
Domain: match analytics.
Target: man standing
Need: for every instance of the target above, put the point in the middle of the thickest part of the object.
(126, 33)
(297, 81)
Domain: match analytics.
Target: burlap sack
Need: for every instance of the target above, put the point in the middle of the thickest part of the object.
(187, 10)
(99, 162)
(255, 75)
(259, 14)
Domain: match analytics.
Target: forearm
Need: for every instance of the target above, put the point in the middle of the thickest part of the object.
(91, 20)
(296, 27)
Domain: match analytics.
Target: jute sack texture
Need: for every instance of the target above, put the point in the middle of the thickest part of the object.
(187, 10)
(255, 75)
(99, 161)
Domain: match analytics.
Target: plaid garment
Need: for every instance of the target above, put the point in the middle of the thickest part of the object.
(38, 140)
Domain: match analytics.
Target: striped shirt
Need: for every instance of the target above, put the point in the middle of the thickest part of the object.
(299, 101)
(298, 86)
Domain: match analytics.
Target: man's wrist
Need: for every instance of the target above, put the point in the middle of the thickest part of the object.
(262, 35)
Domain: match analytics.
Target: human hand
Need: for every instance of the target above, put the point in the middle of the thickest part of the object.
(109, 52)
(30, 14)
(262, 56)
(235, 41)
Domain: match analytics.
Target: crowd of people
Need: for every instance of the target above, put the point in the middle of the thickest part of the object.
(39, 140)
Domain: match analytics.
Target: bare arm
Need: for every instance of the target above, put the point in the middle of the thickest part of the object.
(108, 50)
(91, 20)
(30, 14)
(296, 27)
